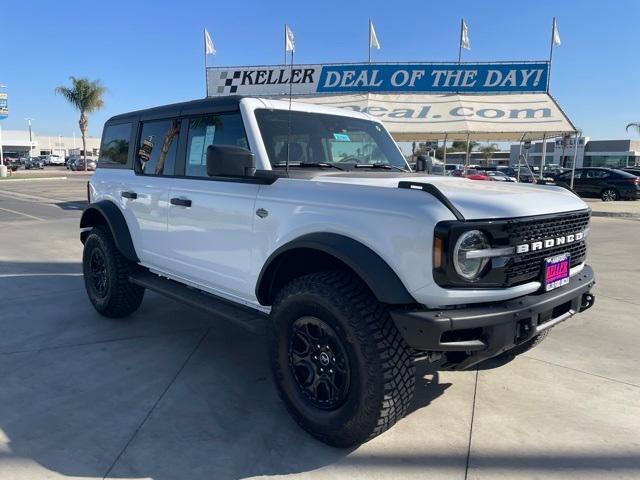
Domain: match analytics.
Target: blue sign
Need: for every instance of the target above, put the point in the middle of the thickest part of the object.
(435, 78)
(4, 109)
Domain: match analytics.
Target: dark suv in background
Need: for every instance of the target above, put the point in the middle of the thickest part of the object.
(607, 183)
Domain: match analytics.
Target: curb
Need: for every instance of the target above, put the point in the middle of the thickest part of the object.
(634, 216)
(34, 179)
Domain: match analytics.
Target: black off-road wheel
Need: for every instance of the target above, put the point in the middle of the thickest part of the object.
(106, 276)
(340, 365)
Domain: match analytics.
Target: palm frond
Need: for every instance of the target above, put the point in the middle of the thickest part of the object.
(634, 126)
(84, 94)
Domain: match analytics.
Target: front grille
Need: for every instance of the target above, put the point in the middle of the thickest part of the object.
(528, 266)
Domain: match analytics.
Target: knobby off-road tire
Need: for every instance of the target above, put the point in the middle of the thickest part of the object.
(106, 276)
(374, 374)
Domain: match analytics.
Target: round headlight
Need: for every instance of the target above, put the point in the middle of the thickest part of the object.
(470, 268)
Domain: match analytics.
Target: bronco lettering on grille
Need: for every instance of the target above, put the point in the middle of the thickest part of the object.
(549, 243)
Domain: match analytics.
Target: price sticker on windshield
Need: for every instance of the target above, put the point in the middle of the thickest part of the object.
(341, 137)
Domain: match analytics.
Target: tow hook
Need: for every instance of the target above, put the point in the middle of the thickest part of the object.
(587, 301)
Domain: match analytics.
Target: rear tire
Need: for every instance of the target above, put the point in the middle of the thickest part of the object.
(106, 276)
(609, 195)
(332, 319)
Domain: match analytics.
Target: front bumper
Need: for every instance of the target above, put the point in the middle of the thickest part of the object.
(472, 334)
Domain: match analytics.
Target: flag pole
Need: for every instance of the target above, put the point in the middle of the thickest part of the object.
(289, 119)
(444, 155)
(553, 31)
(460, 40)
(575, 157)
(285, 44)
(204, 39)
(369, 40)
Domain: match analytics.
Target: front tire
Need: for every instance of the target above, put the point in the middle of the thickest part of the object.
(340, 365)
(609, 195)
(526, 346)
(106, 276)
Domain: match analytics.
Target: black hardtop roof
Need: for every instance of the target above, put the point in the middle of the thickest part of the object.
(193, 107)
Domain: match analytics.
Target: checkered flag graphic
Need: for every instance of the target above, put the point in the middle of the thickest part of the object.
(230, 83)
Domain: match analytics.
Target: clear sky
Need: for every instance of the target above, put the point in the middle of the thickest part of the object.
(151, 52)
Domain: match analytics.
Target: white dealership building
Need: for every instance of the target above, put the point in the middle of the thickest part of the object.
(591, 153)
(16, 144)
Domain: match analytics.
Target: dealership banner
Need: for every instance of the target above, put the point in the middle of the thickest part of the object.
(509, 77)
(483, 117)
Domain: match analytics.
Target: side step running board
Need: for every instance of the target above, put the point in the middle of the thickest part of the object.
(251, 319)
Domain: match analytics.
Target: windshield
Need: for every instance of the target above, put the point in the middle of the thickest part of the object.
(331, 140)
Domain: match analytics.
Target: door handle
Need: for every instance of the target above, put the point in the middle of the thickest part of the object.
(131, 195)
(183, 202)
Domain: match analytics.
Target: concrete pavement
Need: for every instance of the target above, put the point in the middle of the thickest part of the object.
(171, 393)
(619, 209)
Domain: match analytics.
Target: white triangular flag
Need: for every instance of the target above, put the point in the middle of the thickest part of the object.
(290, 45)
(556, 35)
(209, 49)
(464, 36)
(373, 38)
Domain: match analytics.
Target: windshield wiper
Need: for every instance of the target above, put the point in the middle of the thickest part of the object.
(384, 166)
(311, 165)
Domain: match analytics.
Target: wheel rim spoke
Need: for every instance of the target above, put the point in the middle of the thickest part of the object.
(319, 363)
(98, 269)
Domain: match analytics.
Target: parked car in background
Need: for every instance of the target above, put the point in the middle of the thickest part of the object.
(471, 174)
(499, 176)
(34, 163)
(607, 183)
(54, 160)
(525, 176)
(508, 171)
(12, 164)
(78, 164)
(554, 172)
(632, 170)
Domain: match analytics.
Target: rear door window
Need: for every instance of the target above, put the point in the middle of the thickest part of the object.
(157, 147)
(114, 151)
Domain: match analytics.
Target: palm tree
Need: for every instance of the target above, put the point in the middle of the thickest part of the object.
(461, 146)
(86, 96)
(487, 151)
(634, 126)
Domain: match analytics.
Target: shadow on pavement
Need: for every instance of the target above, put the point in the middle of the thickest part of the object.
(183, 405)
(73, 205)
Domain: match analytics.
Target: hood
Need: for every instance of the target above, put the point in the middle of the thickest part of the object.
(477, 199)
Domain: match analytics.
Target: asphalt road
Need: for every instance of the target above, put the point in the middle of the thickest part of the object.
(171, 393)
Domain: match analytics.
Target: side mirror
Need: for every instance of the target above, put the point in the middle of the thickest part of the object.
(421, 163)
(230, 161)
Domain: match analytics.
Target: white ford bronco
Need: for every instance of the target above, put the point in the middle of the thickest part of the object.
(307, 224)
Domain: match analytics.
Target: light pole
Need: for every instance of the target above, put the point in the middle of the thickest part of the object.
(30, 137)
(2, 87)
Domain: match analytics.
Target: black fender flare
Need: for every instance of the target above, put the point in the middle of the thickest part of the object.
(367, 264)
(106, 212)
